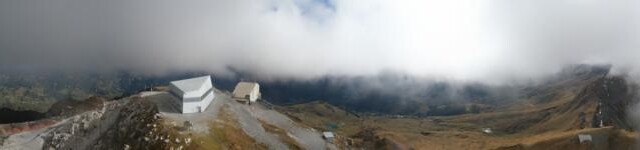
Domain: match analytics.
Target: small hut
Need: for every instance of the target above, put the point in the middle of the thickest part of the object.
(328, 136)
(247, 92)
(583, 138)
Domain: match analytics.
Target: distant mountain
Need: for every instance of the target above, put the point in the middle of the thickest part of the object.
(390, 93)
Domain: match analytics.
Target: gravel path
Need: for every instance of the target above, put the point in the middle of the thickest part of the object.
(253, 127)
(308, 138)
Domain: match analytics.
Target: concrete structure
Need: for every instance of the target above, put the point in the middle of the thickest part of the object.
(193, 95)
(248, 92)
(328, 136)
(584, 138)
(487, 130)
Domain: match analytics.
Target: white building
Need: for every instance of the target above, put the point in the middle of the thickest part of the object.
(193, 95)
(584, 138)
(328, 136)
(247, 92)
(487, 130)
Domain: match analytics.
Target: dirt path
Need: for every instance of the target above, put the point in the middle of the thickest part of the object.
(253, 127)
(308, 138)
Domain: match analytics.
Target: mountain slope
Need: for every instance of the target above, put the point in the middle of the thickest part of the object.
(547, 116)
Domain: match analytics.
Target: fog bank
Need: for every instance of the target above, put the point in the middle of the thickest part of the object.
(495, 41)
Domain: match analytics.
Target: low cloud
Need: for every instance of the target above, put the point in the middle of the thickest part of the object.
(487, 41)
(633, 114)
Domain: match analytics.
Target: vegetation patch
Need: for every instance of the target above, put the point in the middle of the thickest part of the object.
(282, 134)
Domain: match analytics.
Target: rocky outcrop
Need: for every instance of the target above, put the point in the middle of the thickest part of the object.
(79, 130)
(115, 125)
(137, 127)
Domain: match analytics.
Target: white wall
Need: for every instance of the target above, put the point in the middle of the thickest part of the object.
(192, 107)
(175, 89)
(255, 93)
(207, 100)
(177, 101)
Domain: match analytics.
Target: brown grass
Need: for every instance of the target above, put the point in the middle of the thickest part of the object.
(227, 134)
(282, 134)
(317, 115)
(464, 131)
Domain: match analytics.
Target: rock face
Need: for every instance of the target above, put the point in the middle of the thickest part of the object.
(129, 123)
(78, 131)
(120, 124)
(137, 127)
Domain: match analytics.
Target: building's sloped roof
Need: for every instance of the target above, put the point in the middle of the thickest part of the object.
(244, 88)
(192, 84)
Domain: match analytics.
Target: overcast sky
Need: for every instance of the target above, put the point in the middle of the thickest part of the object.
(485, 40)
